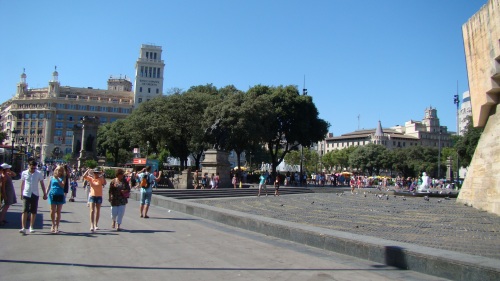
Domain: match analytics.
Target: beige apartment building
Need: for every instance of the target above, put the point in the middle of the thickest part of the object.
(40, 121)
(427, 132)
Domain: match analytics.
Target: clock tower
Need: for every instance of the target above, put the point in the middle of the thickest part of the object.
(148, 74)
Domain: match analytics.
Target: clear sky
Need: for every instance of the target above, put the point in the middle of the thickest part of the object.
(383, 60)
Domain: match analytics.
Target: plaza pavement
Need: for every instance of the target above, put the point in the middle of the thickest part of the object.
(168, 246)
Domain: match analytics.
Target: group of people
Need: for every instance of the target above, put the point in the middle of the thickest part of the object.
(206, 181)
(32, 180)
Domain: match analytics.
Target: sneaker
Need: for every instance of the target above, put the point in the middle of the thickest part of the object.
(32, 230)
(23, 231)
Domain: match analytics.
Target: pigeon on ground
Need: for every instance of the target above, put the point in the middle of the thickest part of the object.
(426, 198)
(404, 198)
(447, 198)
(386, 197)
(439, 201)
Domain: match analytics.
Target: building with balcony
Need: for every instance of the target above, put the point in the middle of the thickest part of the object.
(39, 122)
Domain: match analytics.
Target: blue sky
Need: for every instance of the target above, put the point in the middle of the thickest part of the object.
(383, 60)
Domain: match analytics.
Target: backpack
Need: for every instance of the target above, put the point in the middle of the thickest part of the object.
(145, 181)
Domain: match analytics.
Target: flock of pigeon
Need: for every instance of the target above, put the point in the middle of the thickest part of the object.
(386, 196)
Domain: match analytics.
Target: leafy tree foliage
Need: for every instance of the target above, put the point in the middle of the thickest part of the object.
(113, 138)
(293, 121)
(310, 159)
(3, 136)
(368, 158)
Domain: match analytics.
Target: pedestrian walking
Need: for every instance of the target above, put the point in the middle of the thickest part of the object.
(96, 181)
(119, 192)
(262, 184)
(146, 180)
(56, 198)
(8, 191)
(30, 181)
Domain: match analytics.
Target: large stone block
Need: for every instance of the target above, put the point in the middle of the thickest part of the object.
(481, 188)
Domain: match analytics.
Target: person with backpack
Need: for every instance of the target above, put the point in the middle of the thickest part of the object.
(146, 182)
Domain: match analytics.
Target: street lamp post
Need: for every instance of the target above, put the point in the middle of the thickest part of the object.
(439, 155)
(13, 140)
(456, 101)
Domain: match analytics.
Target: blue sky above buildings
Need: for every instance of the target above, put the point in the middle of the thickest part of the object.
(382, 60)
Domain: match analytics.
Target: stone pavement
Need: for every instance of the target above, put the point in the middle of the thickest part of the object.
(437, 223)
(168, 246)
(438, 237)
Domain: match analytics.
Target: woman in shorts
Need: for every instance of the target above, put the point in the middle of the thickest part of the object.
(96, 182)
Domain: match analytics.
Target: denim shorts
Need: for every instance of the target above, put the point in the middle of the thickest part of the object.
(146, 198)
(95, 199)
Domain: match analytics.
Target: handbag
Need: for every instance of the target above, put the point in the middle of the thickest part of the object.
(57, 198)
(126, 193)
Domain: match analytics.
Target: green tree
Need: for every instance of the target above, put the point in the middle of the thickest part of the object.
(112, 139)
(293, 121)
(241, 117)
(369, 158)
(466, 145)
(91, 164)
(3, 136)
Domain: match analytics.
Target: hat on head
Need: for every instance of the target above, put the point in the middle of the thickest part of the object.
(6, 166)
(97, 170)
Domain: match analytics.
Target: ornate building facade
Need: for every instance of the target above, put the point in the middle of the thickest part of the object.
(39, 122)
(427, 132)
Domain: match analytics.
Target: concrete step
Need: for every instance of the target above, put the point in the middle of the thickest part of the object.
(224, 192)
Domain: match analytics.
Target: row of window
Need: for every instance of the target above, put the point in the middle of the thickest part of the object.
(94, 108)
(148, 71)
(149, 90)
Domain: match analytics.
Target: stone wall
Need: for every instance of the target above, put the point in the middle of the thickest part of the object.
(481, 36)
(481, 188)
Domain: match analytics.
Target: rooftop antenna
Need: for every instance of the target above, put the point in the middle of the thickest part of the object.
(358, 121)
(304, 90)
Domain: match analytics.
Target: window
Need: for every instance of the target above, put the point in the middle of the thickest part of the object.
(69, 125)
(92, 108)
(33, 123)
(72, 106)
(58, 133)
(70, 117)
(40, 124)
(59, 116)
(140, 89)
(61, 106)
(158, 72)
(26, 123)
(104, 119)
(68, 149)
(27, 116)
(149, 90)
(59, 125)
(33, 116)
(157, 90)
(82, 107)
(41, 116)
(111, 120)
(140, 100)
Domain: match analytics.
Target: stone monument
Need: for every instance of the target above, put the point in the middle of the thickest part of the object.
(449, 169)
(481, 33)
(88, 140)
(216, 160)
